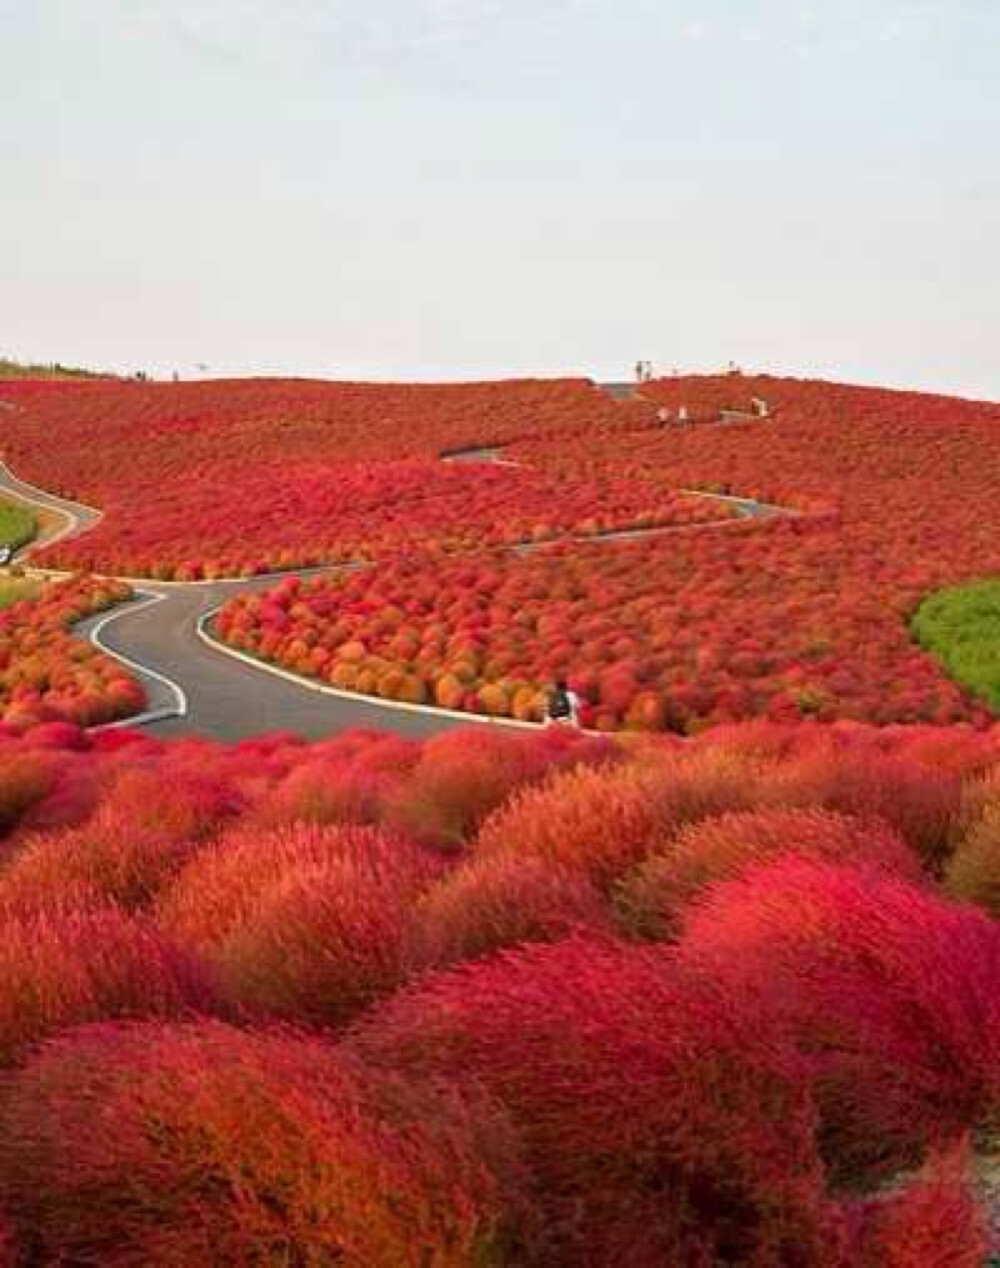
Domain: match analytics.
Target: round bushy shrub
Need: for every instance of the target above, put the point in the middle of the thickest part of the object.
(25, 779)
(200, 1145)
(601, 822)
(650, 902)
(307, 924)
(219, 889)
(891, 994)
(492, 902)
(462, 776)
(920, 801)
(324, 792)
(110, 857)
(659, 1128)
(177, 797)
(320, 944)
(63, 971)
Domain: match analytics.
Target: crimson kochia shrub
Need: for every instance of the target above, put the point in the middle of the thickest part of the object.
(890, 993)
(659, 1127)
(200, 1145)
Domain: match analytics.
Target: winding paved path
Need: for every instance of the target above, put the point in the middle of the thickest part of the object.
(197, 688)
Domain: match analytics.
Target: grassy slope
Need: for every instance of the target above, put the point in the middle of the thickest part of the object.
(961, 627)
(17, 525)
(13, 589)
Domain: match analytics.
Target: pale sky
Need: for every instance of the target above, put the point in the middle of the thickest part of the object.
(461, 188)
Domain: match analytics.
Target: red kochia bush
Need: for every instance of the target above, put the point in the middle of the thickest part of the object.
(321, 944)
(56, 973)
(8, 1247)
(498, 901)
(651, 900)
(324, 792)
(305, 923)
(461, 776)
(202, 1145)
(891, 993)
(659, 1128)
(111, 858)
(918, 800)
(218, 890)
(25, 779)
(172, 799)
(934, 1222)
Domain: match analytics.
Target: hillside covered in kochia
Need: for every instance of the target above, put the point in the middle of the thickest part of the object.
(803, 616)
(894, 496)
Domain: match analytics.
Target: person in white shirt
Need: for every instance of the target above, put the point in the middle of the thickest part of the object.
(562, 706)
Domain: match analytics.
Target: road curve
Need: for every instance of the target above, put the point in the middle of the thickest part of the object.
(195, 689)
(227, 699)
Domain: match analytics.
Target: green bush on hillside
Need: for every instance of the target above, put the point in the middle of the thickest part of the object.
(961, 627)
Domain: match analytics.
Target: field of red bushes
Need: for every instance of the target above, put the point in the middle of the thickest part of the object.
(224, 479)
(47, 675)
(790, 617)
(492, 999)
(784, 618)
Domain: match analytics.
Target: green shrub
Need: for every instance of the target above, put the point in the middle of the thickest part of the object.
(961, 627)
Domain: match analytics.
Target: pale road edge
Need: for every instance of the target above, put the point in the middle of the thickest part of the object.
(179, 710)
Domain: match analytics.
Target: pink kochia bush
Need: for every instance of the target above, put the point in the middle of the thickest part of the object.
(891, 994)
(203, 1145)
(658, 1128)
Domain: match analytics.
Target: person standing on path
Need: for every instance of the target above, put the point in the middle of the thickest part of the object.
(562, 707)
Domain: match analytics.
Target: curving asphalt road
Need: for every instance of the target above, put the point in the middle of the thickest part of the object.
(197, 688)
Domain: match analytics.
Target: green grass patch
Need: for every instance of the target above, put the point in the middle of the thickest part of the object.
(14, 589)
(18, 525)
(961, 627)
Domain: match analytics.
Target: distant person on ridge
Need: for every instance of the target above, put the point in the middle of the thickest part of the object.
(562, 706)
